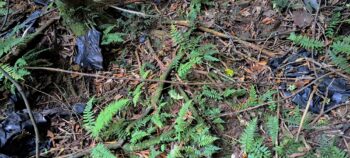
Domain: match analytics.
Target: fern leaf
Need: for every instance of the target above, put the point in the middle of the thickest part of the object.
(138, 135)
(306, 42)
(273, 127)
(175, 152)
(106, 115)
(247, 137)
(16, 74)
(340, 61)
(7, 45)
(137, 93)
(100, 151)
(88, 116)
(180, 120)
(334, 22)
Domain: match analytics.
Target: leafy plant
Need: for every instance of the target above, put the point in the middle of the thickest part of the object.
(100, 151)
(198, 53)
(306, 42)
(273, 127)
(109, 37)
(103, 119)
(251, 143)
(334, 22)
(280, 4)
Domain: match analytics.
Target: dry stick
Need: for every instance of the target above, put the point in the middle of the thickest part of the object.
(272, 102)
(222, 35)
(161, 80)
(132, 12)
(18, 87)
(305, 112)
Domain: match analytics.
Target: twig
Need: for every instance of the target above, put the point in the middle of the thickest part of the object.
(82, 153)
(18, 87)
(222, 35)
(305, 112)
(6, 16)
(273, 102)
(131, 79)
(132, 12)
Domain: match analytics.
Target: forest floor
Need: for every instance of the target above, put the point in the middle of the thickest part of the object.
(200, 78)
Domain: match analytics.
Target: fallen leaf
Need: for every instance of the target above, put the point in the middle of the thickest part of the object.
(268, 21)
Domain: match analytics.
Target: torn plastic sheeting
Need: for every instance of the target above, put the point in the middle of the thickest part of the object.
(335, 89)
(89, 52)
(17, 128)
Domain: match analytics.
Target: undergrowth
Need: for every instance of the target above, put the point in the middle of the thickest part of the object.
(338, 50)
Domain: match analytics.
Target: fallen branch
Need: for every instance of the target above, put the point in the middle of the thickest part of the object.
(305, 112)
(161, 80)
(222, 35)
(19, 88)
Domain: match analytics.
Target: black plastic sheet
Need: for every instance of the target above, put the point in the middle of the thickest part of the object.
(17, 137)
(331, 90)
(89, 52)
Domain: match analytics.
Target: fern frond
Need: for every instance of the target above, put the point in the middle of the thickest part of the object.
(211, 93)
(341, 47)
(340, 61)
(88, 116)
(177, 37)
(138, 135)
(247, 137)
(334, 22)
(7, 45)
(175, 152)
(106, 115)
(260, 150)
(137, 93)
(180, 120)
(253, 98)
(306, 42)
(100, 151)
(273, 127)
(15, 72)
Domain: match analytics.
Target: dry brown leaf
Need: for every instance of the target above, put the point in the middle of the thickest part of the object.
(268, 21)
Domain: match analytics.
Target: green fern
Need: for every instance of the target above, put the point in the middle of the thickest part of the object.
(272, 127)
(138, 135)
(306, 42)
(280, 4)
(248, 136)
(100, 151)
(253, 98)
(16, 72)
(88, 116)
(7, 45)
(103, 119)
(259, 150)
(251, 144)
(340, 61)
(109, 37)
(334, 22)
(181, 124)
(211, 93)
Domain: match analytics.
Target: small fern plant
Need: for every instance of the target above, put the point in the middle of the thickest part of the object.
(251, 144)
(306, 42)
(96, 126)
(100, 151)
(197, 53)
